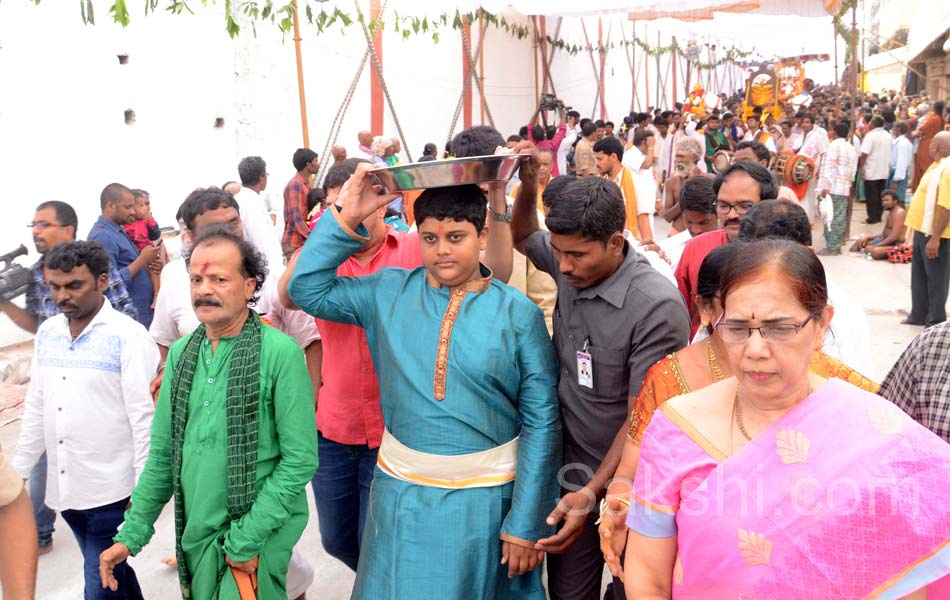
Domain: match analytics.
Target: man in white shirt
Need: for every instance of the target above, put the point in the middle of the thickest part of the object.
(638, 157)
(838, 167)
(258, 226)
(757, 134)
(661, 151)
(573, 130)
(88, 407)
(902, 156)
(874, 165)
(174, 315)
(814, 145)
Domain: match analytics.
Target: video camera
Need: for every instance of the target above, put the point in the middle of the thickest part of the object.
(14, 279)
(550, 102)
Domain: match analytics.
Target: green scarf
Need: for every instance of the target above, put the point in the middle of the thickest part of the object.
(242, 407)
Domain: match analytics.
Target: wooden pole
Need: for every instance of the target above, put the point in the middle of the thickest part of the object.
(675, 58)
(375, 84)
(854, 103)
(543, 49)
(837, 113)
(603, 60)
(646, 68)
(300, 86)
(658, 72)
(534, 31)
(633, 74)
(481, 66)
(466, 67)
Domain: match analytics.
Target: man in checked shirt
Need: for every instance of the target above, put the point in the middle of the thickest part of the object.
(919, 383)
(296, 228)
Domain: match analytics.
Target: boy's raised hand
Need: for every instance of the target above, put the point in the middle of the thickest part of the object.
(360, 197)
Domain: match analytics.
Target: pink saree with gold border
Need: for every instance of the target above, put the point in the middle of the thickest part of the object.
(844, 497)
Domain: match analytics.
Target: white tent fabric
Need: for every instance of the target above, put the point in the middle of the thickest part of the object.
(572, 8)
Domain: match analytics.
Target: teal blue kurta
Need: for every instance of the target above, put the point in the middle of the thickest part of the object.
(501, 378)
(287, 460)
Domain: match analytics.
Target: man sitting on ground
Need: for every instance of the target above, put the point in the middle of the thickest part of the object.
(893, 233)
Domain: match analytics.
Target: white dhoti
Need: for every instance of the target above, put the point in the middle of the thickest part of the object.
(810, 201)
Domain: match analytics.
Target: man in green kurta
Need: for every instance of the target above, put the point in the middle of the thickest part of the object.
(233, 439)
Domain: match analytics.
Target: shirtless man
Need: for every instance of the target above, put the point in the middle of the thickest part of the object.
(685, 166)
(894, 229)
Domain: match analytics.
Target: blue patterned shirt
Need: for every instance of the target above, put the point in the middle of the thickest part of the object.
(39, 301)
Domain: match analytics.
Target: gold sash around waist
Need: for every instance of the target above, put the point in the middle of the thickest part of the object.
(488, 468)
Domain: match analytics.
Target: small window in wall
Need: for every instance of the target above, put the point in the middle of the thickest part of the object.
(123, 59)
(129, 116)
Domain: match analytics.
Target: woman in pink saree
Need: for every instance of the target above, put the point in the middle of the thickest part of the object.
(777, 484)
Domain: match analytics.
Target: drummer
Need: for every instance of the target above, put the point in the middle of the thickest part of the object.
(715, 140)
(757, 153)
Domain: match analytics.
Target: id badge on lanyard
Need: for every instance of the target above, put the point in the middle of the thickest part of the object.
(585, 367)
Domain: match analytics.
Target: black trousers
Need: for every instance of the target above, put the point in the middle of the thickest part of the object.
(872, 194)
(929, 282)
(577, 574)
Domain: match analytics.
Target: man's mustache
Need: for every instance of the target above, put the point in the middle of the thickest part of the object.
(207, 302)
(64, 305)
(732, 222)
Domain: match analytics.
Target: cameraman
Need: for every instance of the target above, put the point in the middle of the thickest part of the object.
(54, 223)
(536, 134)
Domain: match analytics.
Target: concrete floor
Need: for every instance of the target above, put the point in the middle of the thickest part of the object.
(882, 288)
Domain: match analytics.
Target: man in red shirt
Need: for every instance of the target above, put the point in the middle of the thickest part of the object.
(536, 136)
(349, 418)
(296, 228)
(737, 189)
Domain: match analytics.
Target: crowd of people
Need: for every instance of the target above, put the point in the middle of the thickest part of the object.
(478, 379)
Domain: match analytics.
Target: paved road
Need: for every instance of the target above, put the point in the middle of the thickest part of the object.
(882, 288)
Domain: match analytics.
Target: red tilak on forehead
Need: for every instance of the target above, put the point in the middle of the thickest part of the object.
(753, 316)
(441, 229)
(204, 269)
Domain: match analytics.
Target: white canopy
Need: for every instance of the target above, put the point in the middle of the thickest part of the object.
(637, 9)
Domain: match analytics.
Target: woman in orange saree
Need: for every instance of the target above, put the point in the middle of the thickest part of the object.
(689, 369)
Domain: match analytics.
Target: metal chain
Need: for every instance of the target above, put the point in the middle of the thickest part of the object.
(467, 85)
(337, 124)
(382, 80)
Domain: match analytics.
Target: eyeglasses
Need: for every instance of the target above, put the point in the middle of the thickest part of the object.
(42, 225)
(778, 334)
(741, 208)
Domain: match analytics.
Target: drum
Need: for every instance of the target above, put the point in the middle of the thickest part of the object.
(721, 160)
(712, 101)
(793, 168)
